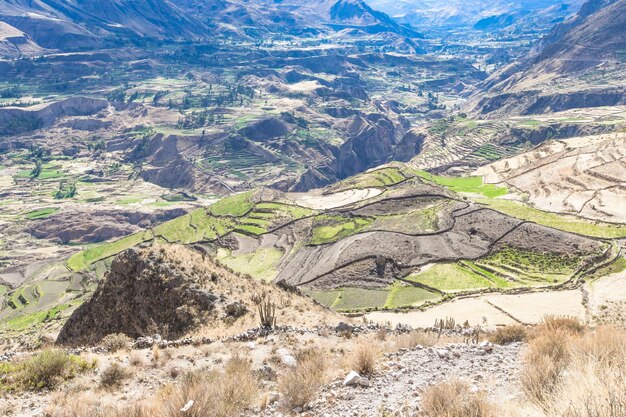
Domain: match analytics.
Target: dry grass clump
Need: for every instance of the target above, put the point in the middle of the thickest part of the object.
(136, 359)
(214, 394)
(300, 384)
(509, 334)
(548, 355)
(456, 399)
(567, 324)
(116, 341)
(88, 404)
(114, 376)
(585, 375)
(363, 359)
(415, 338)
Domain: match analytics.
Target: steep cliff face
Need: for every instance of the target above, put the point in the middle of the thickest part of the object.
(14, 121)
(373, 140)
(581, 63)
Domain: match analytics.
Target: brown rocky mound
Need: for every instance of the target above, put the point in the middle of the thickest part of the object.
(174, 290)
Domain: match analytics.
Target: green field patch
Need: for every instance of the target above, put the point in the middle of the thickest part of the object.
(374, 179)
(418, 221)
(260, 264)
(25, 321)
(534, 262)
(563, 222)
(194, 226)
(41, 213)
(473, 185)
(531, 123)
(236, 205)
(129, 200)
(361, 298)
(324, 297)
(616, 267)
(82, 260)
(403, 295)
(337, 227)
(178, 197)
(489, 152)
(293, 211)
(451, 277)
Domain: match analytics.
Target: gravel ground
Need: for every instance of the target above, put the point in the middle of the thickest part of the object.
(398, 383)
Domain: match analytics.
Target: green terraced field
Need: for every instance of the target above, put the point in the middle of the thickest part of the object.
(533, 262)
(472, 185)
(23, 322)
(339, 228)
(451, 277)
(417, 221)
(361, 298)
(618, 266)
(375, 179)
(556, 221)
(84, 259)
(41, 213)
(236, 205)
(326, 298)
(260, 264)
(406, 296)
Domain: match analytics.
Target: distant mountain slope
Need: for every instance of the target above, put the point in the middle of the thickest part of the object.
(76, 24)
(83, 24)
(581, 63)
(481, 14)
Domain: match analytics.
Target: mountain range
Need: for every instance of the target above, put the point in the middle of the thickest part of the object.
(85, 24)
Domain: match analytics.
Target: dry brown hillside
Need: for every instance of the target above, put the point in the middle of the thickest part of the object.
(176, 291)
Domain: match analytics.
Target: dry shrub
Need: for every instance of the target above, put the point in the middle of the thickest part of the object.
(116, 341)
(90, 405)
(363, 359)
(548, 355)
(300, 384)
(563, 323)
(593, 383)
(605, 346)
(214, 394)
(156, 355)
(509, 334)
(381, 334)
(113, 376)
(49, 368)
(136, 359)
(416, 338)
(455, 399)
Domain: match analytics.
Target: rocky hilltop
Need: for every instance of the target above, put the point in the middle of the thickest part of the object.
(174, 291)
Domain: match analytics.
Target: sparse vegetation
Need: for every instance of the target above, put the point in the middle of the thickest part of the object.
(300, 384)
(114, 376)
(364, 357)
(456, 399)
(45, 370)
(509, 334)
(116, 341)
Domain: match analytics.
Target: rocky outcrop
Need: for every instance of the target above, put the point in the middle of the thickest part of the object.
(533, 102)
(144, 292)
(266, 129)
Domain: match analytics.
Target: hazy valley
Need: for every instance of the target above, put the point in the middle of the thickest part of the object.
(381, 184)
